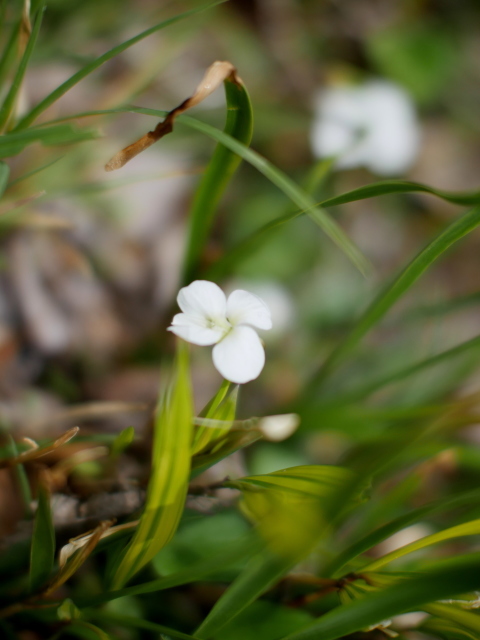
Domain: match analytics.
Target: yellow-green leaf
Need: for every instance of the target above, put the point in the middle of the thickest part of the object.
(222, 407)
(168, 484)
(467, 529)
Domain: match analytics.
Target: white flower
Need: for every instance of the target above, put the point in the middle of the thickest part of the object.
(372, 125)
(209, 318)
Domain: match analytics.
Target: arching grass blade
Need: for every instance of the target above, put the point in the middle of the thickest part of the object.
(239, 125)
(446, 580)
(168, 483)
(9, 102)
(27, 120)
(394, 291)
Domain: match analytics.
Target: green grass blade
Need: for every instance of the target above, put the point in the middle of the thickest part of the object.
(4, 173)
(122, 441)
(140, 623)
(466, 529)
(95, 64)
(469, 346)
(466, 619)
(445, 580)
(33, 172)
(234, 441)
(372, 539)
(294, 508)
(86, 630)
(239, 125)
(222, 406)
(441, 628)
(199, 570)
(296, 194)
(42, 551)
(439, 309)
(13, 143)
(249, 244)
(167, 488)
(315, 179)
(11, 451)
(260, 574)
(8, 53)
(386, 187)
(9, 102)
(385, 531)
(391, 294)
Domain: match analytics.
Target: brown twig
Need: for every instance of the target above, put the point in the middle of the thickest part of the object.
(217, 73)
(33, 454)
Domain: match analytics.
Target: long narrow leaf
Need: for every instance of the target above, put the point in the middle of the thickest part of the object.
(447, 630)
(21, 475)
(13, 143)
(239, 252)
(168, 484)
(8, 52)
(466, 619)
(31, 173)
(86, 630)
(446, 580)
(295, 193)
(235, 441)
(222, 407)
(382, 533)
(315, 179)
(95, 64)
(4, 173)
(9, 102)
(389, 296)
(401, 186)
(466, 529)
(224, 162)
(199, 570)
(140, 623)
(469, 346)
(260, 574)
(302, 500)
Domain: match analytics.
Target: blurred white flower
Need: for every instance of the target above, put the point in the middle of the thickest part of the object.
(372, 125)
(209, 318)
(280, 427)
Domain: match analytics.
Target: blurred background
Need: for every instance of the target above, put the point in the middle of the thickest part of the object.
(90, 265)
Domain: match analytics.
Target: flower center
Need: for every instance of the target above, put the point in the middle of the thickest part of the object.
(220, 323)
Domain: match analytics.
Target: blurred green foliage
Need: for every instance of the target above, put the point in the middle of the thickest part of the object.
(382, 368)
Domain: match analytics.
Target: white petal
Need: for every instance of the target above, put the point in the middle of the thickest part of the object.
(239, 357)
(203, 299)
(194, 330)
(246, 308)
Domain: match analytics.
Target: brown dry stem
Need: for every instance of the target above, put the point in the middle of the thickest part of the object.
(33, 454)
(215, 75)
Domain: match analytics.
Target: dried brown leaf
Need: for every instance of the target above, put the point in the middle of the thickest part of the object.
(215, 75)
(74, 544)
(33, 454)
(71, 567)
